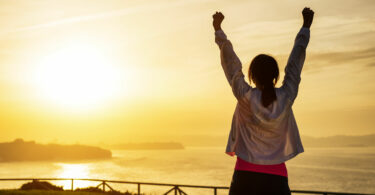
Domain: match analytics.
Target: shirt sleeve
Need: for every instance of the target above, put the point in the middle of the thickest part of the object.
(231, 65)
(295, 63)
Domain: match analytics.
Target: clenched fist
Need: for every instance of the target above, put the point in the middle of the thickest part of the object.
(308, 16)
(218, 18)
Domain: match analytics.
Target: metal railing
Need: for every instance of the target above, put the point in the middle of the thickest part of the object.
(176, 188)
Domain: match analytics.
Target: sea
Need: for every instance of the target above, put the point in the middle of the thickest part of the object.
(341, 169)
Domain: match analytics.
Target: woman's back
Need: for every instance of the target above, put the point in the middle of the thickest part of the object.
(264, 135)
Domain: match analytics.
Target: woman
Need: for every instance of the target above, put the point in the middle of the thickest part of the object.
(264, 133)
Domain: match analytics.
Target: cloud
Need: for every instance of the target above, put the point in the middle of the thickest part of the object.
(363, 57)
(334, 41)
(147, 7)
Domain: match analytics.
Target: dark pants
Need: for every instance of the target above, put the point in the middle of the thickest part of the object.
(253, 183)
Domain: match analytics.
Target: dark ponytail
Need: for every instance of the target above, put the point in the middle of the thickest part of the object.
(264, 71)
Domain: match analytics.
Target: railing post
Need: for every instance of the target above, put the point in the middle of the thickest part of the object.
(175, 190)
(72, 184)
(215, 191)
(103, 186)
(139, 189)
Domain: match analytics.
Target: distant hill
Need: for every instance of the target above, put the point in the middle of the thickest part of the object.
(20, 150)
(339, 141)
(307, 141)
(149, 146)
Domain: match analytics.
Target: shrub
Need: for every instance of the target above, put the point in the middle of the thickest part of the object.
(97, 190)
(40, 185)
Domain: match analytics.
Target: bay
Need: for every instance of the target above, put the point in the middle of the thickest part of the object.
(344, 169)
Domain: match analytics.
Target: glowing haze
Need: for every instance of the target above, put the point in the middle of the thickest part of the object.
(117, 71)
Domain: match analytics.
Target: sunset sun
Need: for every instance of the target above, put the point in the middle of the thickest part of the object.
(76, 77)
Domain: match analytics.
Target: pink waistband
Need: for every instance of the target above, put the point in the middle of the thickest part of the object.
(278, 169)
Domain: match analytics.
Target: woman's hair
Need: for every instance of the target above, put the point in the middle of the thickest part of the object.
(264, 72)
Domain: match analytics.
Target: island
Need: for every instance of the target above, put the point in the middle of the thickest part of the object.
(20, 150)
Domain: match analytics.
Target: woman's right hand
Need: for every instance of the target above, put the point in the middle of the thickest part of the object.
(308, 16)
(218, 18)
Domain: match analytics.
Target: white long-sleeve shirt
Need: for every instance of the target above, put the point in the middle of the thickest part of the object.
(264, 135)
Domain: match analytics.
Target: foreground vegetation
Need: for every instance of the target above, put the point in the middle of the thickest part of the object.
(45, 192)
(46, 188)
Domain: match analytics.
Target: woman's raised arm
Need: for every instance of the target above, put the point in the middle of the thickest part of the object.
(296, 59)
(229, 60)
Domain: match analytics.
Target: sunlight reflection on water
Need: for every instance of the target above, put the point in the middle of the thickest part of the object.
(74, 171)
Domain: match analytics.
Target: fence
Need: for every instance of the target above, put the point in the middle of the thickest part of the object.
(176, 188)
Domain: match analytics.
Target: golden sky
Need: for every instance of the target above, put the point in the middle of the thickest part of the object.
(115, 71)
